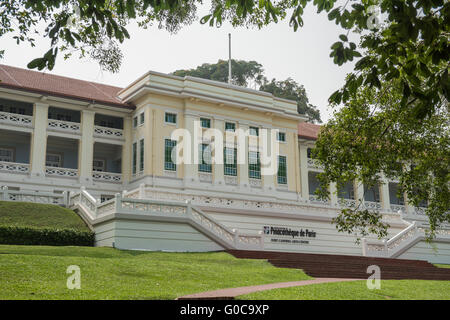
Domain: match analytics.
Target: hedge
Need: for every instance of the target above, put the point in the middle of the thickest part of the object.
(45, 236)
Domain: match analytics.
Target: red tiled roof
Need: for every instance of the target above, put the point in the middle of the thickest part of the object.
(49, 84)
(308, 131)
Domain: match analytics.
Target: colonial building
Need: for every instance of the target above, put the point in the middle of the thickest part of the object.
(108, 152)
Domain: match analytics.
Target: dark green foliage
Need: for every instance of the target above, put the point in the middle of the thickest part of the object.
(251, 74)
(372, 134)
(45, 236)
(290, 89)
(243, 73)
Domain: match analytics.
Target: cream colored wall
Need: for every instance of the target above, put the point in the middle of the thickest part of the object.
(155, 130)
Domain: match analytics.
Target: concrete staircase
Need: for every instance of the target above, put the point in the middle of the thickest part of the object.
(342, 266)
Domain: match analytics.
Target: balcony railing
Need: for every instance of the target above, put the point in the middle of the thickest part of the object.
(107, 176)
(348, 203)
(16, 119)
(316, 200)
(372, 205)
(61, 172)
(314, 164)
(64, 126)
(13, 167)
(105, 132)
(205, 177)
(398, 207)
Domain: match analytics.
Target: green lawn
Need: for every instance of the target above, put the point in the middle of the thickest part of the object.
(39, 272)
(26, 214)
(357, 290)
(443, 265)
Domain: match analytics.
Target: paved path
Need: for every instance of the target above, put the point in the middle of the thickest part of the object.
(234, 292)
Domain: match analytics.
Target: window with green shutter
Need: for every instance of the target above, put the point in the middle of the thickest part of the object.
(205, 122)
(168, 147)
(141, 155)
(204, 158)
(134, 157)
(254, 165)
(282, 172)
(230, 161)
(170, 118)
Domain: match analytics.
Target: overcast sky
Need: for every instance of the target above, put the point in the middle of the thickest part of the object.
(301, 55)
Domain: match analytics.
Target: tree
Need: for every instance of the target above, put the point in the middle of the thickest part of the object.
(93, 28)
(289, 89)
(248, 73)
(374, 134)
(407, 44)
(410, 44)
(244, 72)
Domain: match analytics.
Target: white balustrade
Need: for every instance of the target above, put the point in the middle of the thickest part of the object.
(317, 200)
(169, 210)
(107, 176)
(61, 172)
(231, 180)
(398, 207)
(387, 248)
(32, 196)
(348, 203)
(64, 126)
(372, 205)
(205, 177)
(16, 119)
(420, 210)
(255, 182)
(106, 132)
(13, 167)
(314, 164)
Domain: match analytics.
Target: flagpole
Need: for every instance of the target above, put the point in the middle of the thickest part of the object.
(229, 58)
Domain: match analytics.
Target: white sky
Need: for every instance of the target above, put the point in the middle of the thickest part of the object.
(301, 55)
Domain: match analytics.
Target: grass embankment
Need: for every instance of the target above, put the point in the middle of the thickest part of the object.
(42, 224)
(357, 290)
(35, 215)
(39, 272)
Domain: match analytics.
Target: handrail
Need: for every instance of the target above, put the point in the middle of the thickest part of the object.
(385, 246)
(413, 225)
(229, 238)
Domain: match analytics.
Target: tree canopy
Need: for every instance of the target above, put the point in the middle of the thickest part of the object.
(251, 74)
(402, 69)
(245, 73)
(407, 41)
(372, 138)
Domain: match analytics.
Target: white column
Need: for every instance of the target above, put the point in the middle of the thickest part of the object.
(359, 193)
(333, 194)
(39, 139)
(304, 171)
(191, 163)
(296, 164)
(126, 149)
(384, 190)
(86, 147)
(268, 181)
(218, 168)
(242, 153)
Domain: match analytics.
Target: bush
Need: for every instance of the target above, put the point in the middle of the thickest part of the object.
(45, 236)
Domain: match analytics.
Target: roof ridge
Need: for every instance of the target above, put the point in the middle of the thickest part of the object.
(60, 76)
(93, 84)
(9, 75)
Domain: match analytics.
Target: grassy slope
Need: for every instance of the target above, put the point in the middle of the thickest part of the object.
(39, 272)
(390, 289)
(25, 214)
(442, 265)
